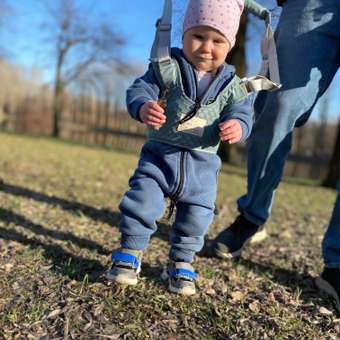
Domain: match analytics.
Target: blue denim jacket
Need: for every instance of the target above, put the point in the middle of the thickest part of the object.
(146, 88)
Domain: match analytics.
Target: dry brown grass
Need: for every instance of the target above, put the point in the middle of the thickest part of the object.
(58, 224)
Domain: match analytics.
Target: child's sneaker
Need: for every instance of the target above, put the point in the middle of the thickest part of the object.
(125, 267)
(181, 278)
(329, 283)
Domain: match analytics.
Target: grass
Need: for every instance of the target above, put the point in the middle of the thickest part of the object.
(58, 225)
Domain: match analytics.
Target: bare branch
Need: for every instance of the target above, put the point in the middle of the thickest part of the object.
(79, 44)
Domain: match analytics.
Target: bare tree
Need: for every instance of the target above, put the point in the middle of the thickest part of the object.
(79, 44)
(333, 176)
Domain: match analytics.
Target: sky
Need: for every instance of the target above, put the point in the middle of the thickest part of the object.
(135, 19)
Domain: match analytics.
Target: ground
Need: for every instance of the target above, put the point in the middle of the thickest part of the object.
(58, 225)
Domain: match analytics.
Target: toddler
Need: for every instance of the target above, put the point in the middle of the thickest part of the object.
(205, 102)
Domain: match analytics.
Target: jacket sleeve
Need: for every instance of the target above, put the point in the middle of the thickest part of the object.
(243, 112)
(143, 89)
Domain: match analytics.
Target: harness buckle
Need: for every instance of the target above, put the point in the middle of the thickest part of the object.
(163, 27)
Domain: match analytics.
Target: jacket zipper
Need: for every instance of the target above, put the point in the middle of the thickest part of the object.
(191, 113)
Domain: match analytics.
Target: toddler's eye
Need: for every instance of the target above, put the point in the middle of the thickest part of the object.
(198, 36)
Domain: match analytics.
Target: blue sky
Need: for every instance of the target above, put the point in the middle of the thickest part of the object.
(134, 19)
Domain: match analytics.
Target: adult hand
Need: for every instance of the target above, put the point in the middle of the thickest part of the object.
(152, 114)
(230, 131)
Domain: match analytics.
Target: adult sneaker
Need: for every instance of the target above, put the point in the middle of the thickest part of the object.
(126, 265)
(231, 241)
(329, 283)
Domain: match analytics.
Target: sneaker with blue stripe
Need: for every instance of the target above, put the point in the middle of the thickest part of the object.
(126, 265)
(181, 277)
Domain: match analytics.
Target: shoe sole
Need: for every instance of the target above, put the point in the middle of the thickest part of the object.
(121, 279)
(256, 238)
(183, 291)
(325, 287)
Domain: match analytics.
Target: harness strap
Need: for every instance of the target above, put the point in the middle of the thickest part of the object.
(160, 50)
(269, 66)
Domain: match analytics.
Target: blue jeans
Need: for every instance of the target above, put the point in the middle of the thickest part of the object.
(168, 171)
(308, 46)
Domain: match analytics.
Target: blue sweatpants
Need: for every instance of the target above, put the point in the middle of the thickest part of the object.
(189, 178)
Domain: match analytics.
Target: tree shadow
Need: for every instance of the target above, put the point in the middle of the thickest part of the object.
(103, 215)
(292, 280)
(284, 277)
(64, 262)
(9, 216)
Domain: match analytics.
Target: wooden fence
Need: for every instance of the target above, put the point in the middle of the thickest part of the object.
(101, 123)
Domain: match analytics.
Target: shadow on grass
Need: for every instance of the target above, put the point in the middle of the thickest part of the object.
(70, 265)
(64, 262)
(103, 215)
(282, 276)
(9, 216)
(293, 280)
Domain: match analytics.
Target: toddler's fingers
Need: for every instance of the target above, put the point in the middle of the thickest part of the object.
(157, 114)
(228, 135)
(156, 107)
(233, 140)
(230, 124)
(155, 120)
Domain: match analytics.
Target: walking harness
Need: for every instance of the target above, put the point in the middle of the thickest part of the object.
(191, 124)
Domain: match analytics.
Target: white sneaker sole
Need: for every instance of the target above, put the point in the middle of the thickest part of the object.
(325, 287)
(123, 279)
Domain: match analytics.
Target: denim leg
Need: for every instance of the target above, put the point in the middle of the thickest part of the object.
(187, 234)
(331, 241)
(307, 39)
(141, 206)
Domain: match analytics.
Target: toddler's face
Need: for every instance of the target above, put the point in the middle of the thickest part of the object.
(205, 48)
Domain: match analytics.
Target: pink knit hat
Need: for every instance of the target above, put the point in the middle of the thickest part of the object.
(222, 15)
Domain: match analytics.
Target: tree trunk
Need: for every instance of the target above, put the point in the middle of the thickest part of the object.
(57, 108)
(237, 58)
(333, 175)
(58, 93)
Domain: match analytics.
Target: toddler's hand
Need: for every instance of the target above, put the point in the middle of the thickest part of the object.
(152, 114)
(230, 131)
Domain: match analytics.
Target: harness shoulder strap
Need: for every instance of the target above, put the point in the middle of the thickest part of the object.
(269, 66)
(160, 50)
(234, 92)
(167, 73)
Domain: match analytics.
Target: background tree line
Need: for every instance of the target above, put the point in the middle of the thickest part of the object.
(80, 104)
